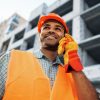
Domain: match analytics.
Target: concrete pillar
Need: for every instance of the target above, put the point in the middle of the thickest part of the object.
(37, 43)
(76, 29)
(28, 27)
(11, 42)
(24, 46)
(78, 7)
(44, 9)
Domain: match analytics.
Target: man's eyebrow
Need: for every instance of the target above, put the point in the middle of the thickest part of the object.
(46, 24)
(60, 26)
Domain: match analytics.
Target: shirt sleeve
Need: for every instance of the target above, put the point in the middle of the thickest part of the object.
(4, 59)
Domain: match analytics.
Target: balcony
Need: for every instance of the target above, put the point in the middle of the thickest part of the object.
(91, 3)
(93, 73)
(91, 18)
(29, 42)
(5, 45)
(61, 7)
(19, 35)
(92, 47)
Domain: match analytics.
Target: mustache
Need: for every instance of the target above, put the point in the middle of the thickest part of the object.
(51, 34)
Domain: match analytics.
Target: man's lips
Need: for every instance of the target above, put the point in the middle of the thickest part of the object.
(51, 36)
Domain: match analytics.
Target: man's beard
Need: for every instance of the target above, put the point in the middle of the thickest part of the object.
(52, 47)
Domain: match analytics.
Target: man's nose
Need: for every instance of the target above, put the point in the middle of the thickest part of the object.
(51, 30)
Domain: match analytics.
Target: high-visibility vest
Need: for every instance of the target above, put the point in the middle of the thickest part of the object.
(26, 80)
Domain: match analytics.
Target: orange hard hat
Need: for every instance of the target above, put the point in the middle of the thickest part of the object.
(54, 16)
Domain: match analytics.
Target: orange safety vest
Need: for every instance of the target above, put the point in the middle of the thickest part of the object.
(27, 81)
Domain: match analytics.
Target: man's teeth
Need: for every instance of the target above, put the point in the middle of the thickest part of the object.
(51, 37)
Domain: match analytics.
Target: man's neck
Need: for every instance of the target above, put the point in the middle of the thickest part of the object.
(49, 54)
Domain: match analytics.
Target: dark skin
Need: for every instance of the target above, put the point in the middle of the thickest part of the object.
(51, 33)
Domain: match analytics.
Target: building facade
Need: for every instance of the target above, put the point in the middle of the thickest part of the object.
(7, 30)
(83, 19)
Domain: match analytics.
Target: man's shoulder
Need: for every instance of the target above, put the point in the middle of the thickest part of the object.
(8, 53)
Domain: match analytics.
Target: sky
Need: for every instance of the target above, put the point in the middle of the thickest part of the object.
(22, 7)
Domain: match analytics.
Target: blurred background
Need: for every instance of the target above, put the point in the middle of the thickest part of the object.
(18, 28)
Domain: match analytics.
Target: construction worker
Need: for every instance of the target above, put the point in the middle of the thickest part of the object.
(52, 73)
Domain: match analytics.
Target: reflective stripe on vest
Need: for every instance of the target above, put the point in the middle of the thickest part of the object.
(26, 80)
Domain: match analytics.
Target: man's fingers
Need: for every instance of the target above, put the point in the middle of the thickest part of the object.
(69, 38)
(60, 49)
(63, 43)
(62, 40)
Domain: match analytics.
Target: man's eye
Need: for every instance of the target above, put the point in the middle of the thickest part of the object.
(58, 29)
(46, 27)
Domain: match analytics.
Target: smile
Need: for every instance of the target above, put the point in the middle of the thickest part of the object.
(51, 36)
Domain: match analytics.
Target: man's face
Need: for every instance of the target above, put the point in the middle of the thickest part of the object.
(51, 33)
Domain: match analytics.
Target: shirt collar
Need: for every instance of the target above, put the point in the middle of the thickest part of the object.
(40, 55)
(58, 61)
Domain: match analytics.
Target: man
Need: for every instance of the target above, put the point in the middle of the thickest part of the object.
(43, 75)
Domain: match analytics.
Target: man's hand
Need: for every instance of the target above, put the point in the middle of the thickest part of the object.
(69, 48)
